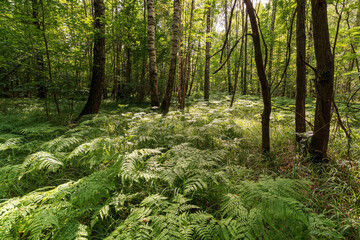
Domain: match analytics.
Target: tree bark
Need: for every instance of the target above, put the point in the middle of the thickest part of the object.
(324, 82)
(265, 89)
(187, 71)
(207, 57)
(153, 75)
(165, 105)
(98, 73)
(181, 69)
(300, 125)
(230, 90)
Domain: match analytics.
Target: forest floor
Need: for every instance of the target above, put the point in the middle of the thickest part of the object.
(132, 173)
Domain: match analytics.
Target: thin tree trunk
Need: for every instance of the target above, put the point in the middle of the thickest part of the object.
(165, 105)
(194, 70)
(245, 56)
(207, 57)
(48, 55)
(228, 49)
(153, 75)
(128, 70)
(42, 90)
(116, 72)
(324, 82)
(309, 55)
(97, 82)
(239, 61)
(188, 52)
(300, 124)
(272, 37)
(181, 80)
(141, 93)
(265, 116)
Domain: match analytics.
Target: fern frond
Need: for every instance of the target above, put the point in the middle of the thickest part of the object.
(11, 144)
(42, 160)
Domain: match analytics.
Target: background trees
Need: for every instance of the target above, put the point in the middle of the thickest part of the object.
(47, 50)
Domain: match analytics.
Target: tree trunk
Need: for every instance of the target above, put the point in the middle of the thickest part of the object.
(194, 69)
(48, 55)
(181, 79)
(324, 82)
(245, 56)
(98, 76)
(188, 54)
(207, 57)
(42, 90)
(128, 70)
(228, 50)
(141, 92)
(153, 75)
(300, 125)
(240, 60)
(165, 105)
(309, 55)
(272, 37)
(265, 116)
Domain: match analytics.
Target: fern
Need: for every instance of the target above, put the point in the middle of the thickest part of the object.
(135, 167)
(11, 144)
(42, 160)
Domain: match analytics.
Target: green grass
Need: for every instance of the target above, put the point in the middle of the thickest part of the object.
(132, 173)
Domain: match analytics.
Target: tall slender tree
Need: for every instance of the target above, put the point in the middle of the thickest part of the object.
(324, 83)
(40, 75)
(300, 125)
(165, 105)
(98, 71)
(154, 94)
(207, 56)
(265, 88)
(228, 67)
(272, 38)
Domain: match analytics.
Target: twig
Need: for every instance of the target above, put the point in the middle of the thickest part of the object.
(340, 121)
(228, 56)
(288, 52)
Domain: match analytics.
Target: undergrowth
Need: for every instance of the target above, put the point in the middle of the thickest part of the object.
(132, 173)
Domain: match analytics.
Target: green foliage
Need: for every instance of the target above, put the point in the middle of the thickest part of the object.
(142, 175)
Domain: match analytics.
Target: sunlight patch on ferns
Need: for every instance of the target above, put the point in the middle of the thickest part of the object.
(42, 160)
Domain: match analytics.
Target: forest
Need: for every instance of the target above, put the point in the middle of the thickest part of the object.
(179, 119)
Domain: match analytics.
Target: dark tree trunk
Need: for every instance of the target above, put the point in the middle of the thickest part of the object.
(153, 75)
(207, 57)
(165, 105)
(324, 82)
(265, 116)
(98, 75)
(40, 75)
(230, 90)
(300, 125)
